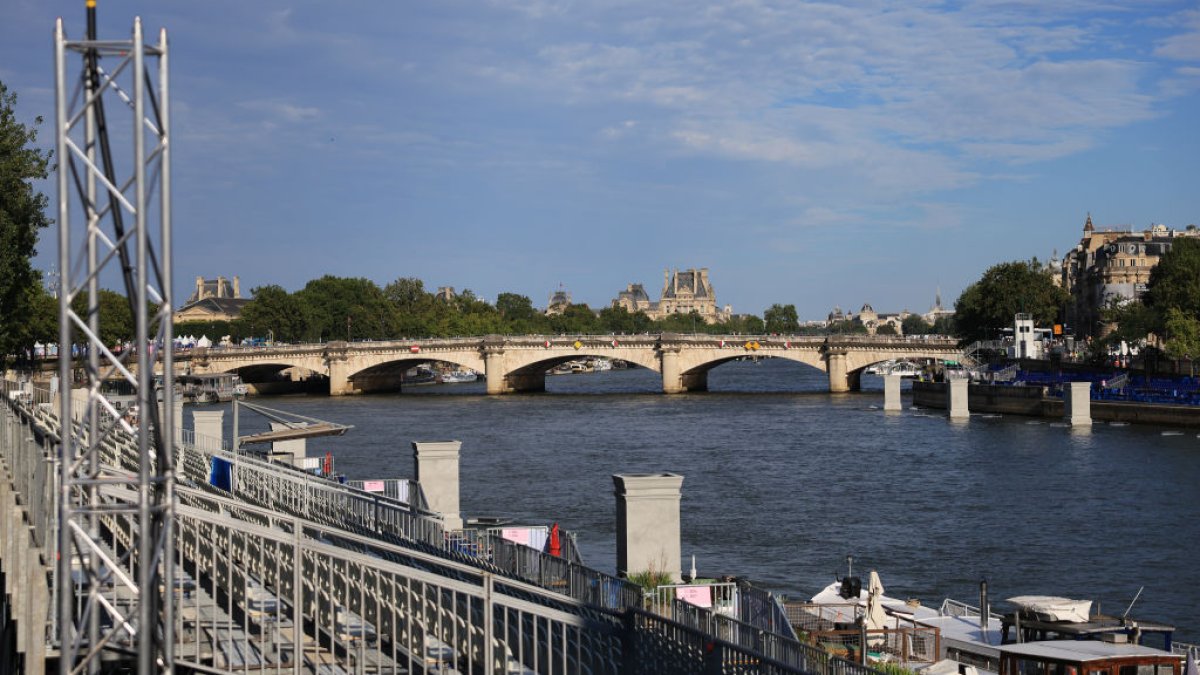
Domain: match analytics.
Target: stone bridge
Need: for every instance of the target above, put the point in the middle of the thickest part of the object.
(519, 364)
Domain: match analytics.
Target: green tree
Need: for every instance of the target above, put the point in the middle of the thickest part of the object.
(885, 329)
(621, 320)
(343, 308)
(1175, 282)
(1182, 331)
(274, 309)
(416, 311)
(913, 324)
(745, 324)
(988, 305)
(576, 320)
(22, 214)
(781, 319)
(116, 319)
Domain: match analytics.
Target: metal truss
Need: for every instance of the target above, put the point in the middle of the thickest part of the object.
(114, 599)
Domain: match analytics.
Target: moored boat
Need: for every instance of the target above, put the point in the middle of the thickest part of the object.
(459, 376)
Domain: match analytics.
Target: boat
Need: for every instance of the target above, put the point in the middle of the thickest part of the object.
(211, 387)
(459, 376)
(974, 639)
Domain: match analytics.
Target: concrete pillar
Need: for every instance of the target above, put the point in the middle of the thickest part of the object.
(959, 389)
(672, 380)
(835, 365)
(493, 370)
(1078, 406)
(288, 451)
(435, 464)
(891, 392)
(209, 427)
(648, 523)
(177, 410)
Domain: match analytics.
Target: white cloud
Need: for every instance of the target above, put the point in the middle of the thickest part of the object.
(1012, 81)
(1183, 46)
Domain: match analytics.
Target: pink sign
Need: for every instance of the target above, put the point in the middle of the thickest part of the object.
(700, 596)
(373, 485)
(517, 535)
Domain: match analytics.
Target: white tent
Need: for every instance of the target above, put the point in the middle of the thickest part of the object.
(204, 342)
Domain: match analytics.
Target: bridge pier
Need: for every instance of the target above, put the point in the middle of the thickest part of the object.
(339, 369)
(493, 369)
(840, 378)
(676, 382)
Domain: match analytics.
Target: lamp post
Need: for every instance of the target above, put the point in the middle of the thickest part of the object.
(347, 328)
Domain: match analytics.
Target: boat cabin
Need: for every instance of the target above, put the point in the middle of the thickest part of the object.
(1086, 657)
(1053, 618)
(210, 387)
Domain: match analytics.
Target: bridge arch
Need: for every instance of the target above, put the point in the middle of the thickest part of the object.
(693, 370)
(388, 375)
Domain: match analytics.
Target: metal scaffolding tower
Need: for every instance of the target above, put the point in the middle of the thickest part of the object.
(114, 218)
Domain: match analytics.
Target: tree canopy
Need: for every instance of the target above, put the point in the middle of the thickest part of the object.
(989, 305)
(22, 214)
(781, 319)
(1172, 299)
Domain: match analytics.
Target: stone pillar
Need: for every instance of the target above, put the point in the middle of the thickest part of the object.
(835, 365)
(493, 370)
(672, 380)
(435, 464)
(1078, 406)
(959, 393)
(648, 523)
(339, 370)
(526, 382)
(891, 392)
(209, 427)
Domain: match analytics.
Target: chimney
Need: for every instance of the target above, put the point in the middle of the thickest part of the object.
(220, 287)
(237, 287)
(199, 288)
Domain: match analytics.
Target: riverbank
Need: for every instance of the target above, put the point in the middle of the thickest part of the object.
(1036, 402)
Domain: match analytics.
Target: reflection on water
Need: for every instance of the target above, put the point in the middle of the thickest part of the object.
(783, 480)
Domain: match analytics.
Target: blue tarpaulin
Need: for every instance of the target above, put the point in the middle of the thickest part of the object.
(221, 474)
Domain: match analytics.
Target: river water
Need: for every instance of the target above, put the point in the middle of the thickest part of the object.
(783, 480)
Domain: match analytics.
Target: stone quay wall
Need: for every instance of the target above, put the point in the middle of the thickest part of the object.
(1033, 402)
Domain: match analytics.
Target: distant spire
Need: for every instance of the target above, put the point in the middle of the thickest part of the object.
(937, 299)
(1088, 227)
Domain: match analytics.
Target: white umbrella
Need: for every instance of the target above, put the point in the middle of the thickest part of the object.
(1191, 663)
(876, 618)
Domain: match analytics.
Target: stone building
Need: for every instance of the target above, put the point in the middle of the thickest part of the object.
(683, 292)
(1111, 266)
(559, 301)
(217, 299)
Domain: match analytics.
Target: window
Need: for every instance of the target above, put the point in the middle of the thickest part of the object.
(1166, 669)
(1033, 667)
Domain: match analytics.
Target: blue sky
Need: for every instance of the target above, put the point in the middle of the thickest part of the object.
(818, 154)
